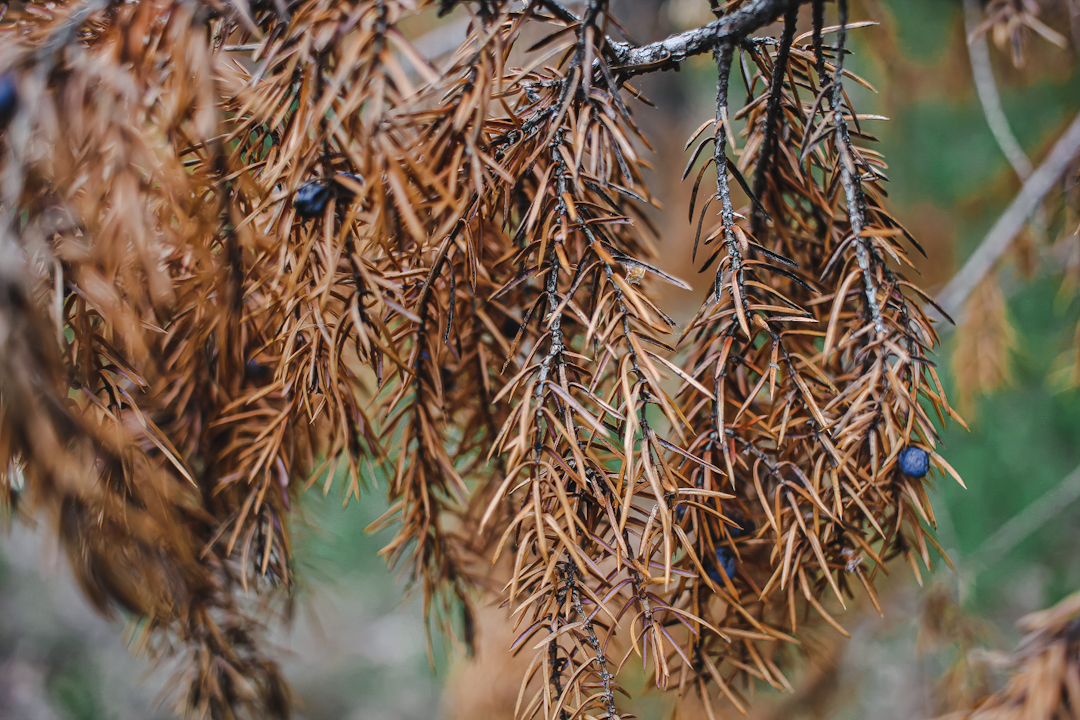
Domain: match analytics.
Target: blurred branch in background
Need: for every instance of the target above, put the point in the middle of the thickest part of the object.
(1018, 528)
(1009, 224)
(989, 97)
(986, 86)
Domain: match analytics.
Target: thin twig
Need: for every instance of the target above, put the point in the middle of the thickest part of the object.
(1001, 235)
(989, 98)
(818, 22)
(608, 680)
(723, 56)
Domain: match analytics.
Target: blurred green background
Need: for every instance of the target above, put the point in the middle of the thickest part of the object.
(356, 648)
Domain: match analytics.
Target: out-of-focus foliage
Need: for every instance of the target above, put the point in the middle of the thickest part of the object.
(1045, 669)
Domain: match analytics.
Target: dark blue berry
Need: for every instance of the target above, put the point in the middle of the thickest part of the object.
(726, 560)
(257, 371)
(9, 98)
(744, 527)
(344, 191)
(510, 327)
(914, 462)
(311, 199)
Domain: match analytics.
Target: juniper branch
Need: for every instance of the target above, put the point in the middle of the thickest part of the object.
(723, 55)
(608, 696)
(667, 53)
(852, 182)
(772, 118)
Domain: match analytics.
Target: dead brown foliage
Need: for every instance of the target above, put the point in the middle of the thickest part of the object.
(247, 245)
(1044, 682)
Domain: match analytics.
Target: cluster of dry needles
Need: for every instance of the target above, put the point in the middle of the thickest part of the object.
(248, 245)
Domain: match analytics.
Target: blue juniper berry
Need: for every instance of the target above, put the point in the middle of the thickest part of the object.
(725, 558)
(914, 462)
(311, 199)
(680, 512)
(9, 98)
(256, 371)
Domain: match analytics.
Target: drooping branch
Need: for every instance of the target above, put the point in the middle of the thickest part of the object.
(599, 657)
(723, 190)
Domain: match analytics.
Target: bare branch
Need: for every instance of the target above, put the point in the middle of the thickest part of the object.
(666, 53)
(997, 241)
(990, 100)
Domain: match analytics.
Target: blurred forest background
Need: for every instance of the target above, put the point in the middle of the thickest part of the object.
(355, 649)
